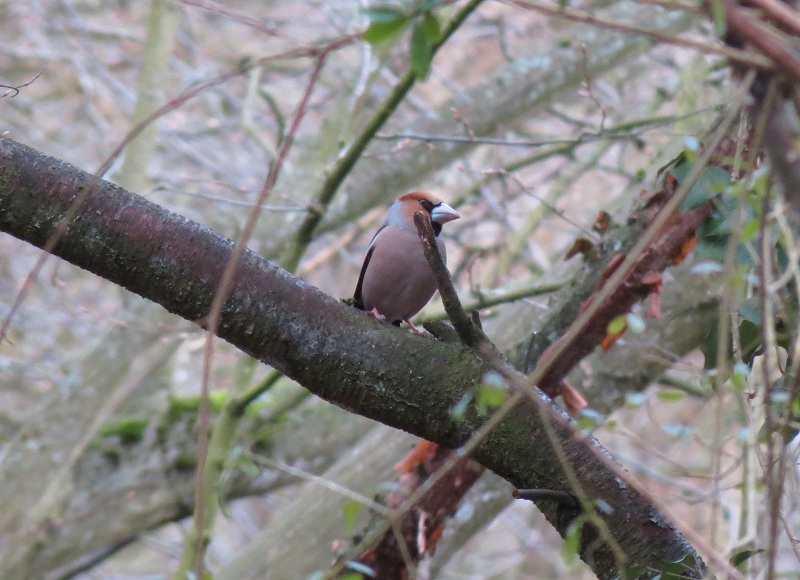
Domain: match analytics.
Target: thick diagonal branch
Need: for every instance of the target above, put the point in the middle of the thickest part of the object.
(334, 351)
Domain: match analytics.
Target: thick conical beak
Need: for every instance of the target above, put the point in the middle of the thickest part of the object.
(443, 213)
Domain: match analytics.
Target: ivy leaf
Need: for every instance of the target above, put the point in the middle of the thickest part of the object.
(750, 230)
(712, 181)
(750, 310)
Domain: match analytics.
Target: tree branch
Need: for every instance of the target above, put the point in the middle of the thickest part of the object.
(334, 351)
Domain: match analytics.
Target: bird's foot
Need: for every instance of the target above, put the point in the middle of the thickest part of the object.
(376, 315)
(419, 331)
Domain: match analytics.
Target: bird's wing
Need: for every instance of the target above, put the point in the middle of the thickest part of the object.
(358, 300)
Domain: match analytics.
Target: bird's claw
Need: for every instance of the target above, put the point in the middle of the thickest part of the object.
(419, 331)
(376, 315)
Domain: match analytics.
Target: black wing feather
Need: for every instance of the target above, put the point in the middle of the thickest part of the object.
(358, 299)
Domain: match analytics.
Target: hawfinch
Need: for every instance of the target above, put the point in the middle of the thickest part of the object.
(396, 280)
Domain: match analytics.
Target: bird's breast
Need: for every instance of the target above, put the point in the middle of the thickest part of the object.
(398, 280)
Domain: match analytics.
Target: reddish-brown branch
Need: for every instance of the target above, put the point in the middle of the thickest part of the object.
(781, 13)
(763, 38)
(422, 524)
(636, 287)
(643, 281)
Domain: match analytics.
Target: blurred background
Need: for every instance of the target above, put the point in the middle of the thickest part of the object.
(528, 124)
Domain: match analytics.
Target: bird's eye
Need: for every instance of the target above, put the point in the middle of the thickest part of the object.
(426, 204)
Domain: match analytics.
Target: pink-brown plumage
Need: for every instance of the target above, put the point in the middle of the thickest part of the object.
(396, 280)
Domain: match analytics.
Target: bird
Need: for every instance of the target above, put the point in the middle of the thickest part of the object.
(396, 280)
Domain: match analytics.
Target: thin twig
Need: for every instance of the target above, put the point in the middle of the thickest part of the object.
(734, 54)
(16, 88)
(215, 311)
(349, 158)
(467, 331)
(764, 38)
(780, 12)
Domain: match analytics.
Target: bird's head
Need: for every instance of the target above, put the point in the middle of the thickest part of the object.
(401, 214)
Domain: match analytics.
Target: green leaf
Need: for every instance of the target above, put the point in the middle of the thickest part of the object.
(130, 430)
(350, 510)
(617, 325)
(383, 14)
(743, 556)
(750, 230)
(381, 31)
(216, 400)
(430, 28)
(572, 541)
(711, 182)
(490, 396)
(589, 419)
(421, 53)
(718, 14)
(671, 395)
(247, 466)
(750, 310)
(351, 576)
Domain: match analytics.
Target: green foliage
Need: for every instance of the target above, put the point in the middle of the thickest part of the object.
(386, 22)
(350, 510)
(677, 569)
(490, 394)
(129, 429)
(590, 420)
(718, 14)
(712, 181)
(185, 462)
(490, 397)
(358, 569)
(617, 325)
(671, 395)
(423, 38)
(572, 541)
(742, 556)
(180, 405)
